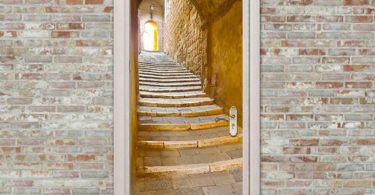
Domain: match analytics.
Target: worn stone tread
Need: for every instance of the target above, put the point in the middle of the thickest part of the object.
(181, 102)
(173, 95)
(184, 135)
(167, 77)
(196, 160)
(168, 89)
(193, 143)
(176, 84)
(163, 70)
(149, 123)
(166, 74)
(176, 111)
(169, 80)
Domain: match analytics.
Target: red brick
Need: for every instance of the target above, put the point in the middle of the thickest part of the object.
(329, 84)
(108, 9)
(358, 84)
(6, 150)
(356, 68)
(82, 157)
(70, 26)
(305, 159)
(356, 2)
(74, 2)
(330, 18)
(94, 1)
(296, 150)
(359, 19)
(311, 52)
(61, 34)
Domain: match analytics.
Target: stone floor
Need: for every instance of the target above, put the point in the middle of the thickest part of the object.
(184, 146)
(218, 183)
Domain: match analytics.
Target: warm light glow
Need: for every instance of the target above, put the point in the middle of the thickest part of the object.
(150, 36)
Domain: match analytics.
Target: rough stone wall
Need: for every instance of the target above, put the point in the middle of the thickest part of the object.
(185, 35)
(56, 97)
(158, 17)
(206, 37)
(318, 89)
(225, 59)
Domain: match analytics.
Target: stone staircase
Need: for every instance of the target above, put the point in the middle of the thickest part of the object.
(182, 133)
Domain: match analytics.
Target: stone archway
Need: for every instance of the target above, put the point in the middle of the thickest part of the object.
(151, 10)
(150, 36)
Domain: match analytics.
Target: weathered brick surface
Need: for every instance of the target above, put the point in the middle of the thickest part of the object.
(317, 97)
(56, 97)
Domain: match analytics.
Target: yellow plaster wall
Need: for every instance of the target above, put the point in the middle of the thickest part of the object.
(225, 59)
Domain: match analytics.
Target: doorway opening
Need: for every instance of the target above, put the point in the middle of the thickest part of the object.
(151, 36)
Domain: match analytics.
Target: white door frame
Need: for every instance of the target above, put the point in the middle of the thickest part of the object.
(251, 97)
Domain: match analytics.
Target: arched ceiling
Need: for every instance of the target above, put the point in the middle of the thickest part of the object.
(207, 9)
(210, 9)
(158, 2)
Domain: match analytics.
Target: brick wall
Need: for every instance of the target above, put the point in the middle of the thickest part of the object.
(318, 106)
(317, 96)
(56, 97)
(185, 35)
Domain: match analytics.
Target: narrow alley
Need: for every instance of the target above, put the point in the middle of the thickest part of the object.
(184, 146)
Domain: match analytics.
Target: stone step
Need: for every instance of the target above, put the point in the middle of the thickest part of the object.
(202, 168)
(166, 74)
(176, 84)
(169, 70)
(168, 89)
(148, 59)
(174, 95)
(164, 71)
(197, 141)
(218, 158)
(175, 111)
(182, 102)
(184, 135)
(167, 77)
(190, 143)
(149, 123)
(170, 80)
(159, 65)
